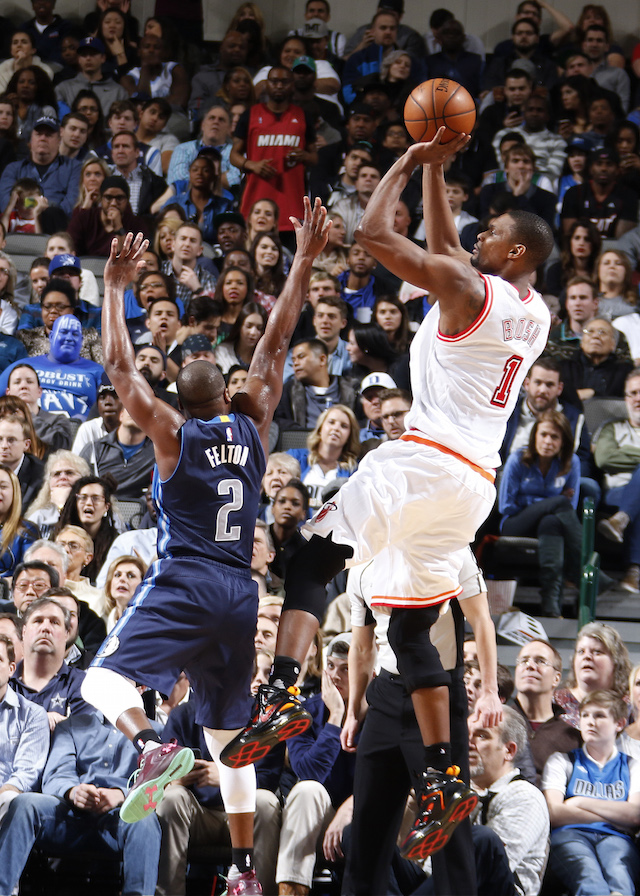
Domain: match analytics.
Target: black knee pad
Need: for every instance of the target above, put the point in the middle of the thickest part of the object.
(309, 571)
(418, 660)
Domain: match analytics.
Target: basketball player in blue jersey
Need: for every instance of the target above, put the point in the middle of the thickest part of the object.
(422, 497)
(196, 609)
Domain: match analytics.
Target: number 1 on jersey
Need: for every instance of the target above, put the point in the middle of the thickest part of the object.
(501, 396)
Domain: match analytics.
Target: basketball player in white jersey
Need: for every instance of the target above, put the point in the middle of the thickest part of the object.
(423, 497)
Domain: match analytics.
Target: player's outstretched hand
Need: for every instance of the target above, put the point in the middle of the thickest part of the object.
(121, 268)
(488, 711)
(313, 232)
(435, 152)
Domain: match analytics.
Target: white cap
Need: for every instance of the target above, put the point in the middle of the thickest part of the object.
(382, 380)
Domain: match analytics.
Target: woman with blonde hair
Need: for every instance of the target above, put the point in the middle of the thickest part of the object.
(123, 577)
(600, 662)
(16, 533)
(8, 310)
(92, 173)
(333, 446)
(629, 740)
(62, 469)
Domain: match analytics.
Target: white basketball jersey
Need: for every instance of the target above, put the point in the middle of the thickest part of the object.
(465, 387)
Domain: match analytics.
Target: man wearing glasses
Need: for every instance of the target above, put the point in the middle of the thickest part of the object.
(537, 674)
(594, 369)
(92, 229)
(273, 145)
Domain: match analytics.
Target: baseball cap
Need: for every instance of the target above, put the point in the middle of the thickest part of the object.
(229, 218)
(114, 180)
(197, 342)
(105, 385)
(344, 638)
(305, 61)
(379, 380)
(314, 29)
(359, 108)
(46, 121)
(59, 262)
(91, 44)
(577, 144)
(396, 5)
(604, 154)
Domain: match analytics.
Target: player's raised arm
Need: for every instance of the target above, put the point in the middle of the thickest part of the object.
(156, 418)
(449, 276)
(263, 389)
(441, 235)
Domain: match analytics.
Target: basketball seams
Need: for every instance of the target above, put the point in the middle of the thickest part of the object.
(423, 124)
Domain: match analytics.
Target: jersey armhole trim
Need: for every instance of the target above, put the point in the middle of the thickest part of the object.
(480, 319)
(175, 470)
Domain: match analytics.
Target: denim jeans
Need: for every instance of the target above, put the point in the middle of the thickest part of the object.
(591, 863)
(627, 498)
(57, 827)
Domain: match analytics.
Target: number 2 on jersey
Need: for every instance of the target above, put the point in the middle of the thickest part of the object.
(501, 396)
(225, 532)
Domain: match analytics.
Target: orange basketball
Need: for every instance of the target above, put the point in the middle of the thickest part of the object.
(438, 103)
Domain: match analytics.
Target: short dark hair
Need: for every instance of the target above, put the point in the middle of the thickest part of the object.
(78, 117)
(596, 27)
(458, 179)
(61, 591)
(155, 301)
(578, 279)
(162, 104)
(16, 620)
(8, 643)
(57, 284)
(54, 578)
(530, 22)
(547, 363)
(335, 302)
(125, 134)
(20, 367)
(326, 3)
(41, 602)
(299, 486)
(535, 233)
(389, 394)
(516, 72)
(317, 346)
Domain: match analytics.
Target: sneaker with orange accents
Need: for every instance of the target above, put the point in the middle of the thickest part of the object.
(156, 768)
(443, 802)
(277, 716)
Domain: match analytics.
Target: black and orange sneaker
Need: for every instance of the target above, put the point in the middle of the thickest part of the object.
(277, 716)
(443, 802)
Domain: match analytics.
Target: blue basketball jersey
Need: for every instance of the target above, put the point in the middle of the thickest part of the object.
(208, 506)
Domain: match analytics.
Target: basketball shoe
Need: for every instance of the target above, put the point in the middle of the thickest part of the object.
(443, 802)
(277, 716)
(245, 884)
(156, 768)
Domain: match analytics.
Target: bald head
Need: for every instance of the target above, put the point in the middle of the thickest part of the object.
(200, 385)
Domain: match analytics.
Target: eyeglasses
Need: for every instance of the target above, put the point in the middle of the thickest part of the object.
(72, 546)
(634, 394)
(534, 661)
(114, 197)
(600, 331)
(5, 271)
(93, 499)
(39, 587)
(55, 307)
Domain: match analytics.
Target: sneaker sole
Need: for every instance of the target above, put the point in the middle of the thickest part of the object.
(422, 843)
(143, 801)
(245, 751)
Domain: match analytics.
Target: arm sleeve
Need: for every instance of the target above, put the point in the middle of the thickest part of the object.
(60, 772)
(556, 773)
(8, 179)
(72, 188)
(508, 503)
(610, 456)
(32, 750)
(313, 754)
(573, 481)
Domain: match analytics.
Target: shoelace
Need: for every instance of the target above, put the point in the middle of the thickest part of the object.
(164, 749)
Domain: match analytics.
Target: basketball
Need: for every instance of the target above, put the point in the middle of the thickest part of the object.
(438, 103)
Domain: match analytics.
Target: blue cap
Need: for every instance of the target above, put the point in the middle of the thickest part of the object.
(91, 43)
(58, 262)
(46, 121)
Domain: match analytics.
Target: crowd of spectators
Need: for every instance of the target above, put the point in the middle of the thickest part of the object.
(208, 149)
